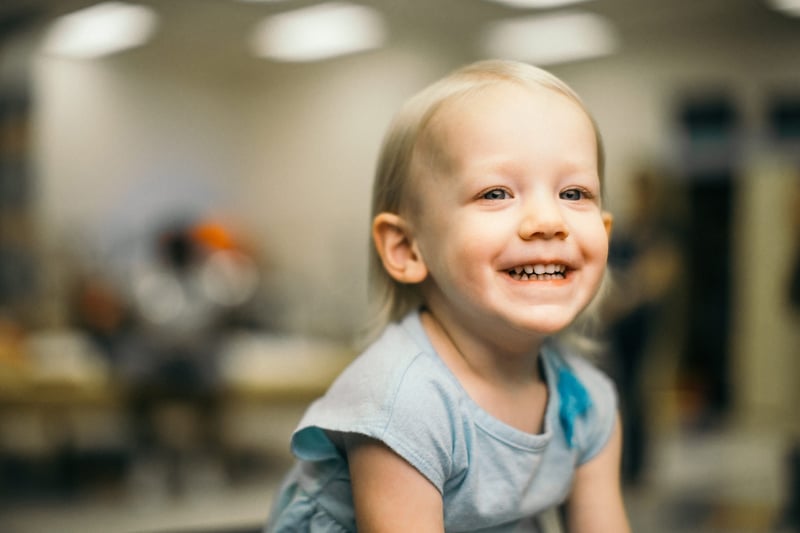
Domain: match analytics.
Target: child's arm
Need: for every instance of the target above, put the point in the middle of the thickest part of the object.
(388, 493)
(596, 505)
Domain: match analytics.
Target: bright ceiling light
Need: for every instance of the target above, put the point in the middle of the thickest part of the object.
(537, 4)
(789, 7)
(100, 30)
(551, 39)
(319, 32)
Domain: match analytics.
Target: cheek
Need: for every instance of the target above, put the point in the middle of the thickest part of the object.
(595, 241)
(459, 251)
(602, 247)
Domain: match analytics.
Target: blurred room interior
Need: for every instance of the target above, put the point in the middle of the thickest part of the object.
(183, 242)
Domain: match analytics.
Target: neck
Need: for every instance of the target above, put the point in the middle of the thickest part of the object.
(508, 361)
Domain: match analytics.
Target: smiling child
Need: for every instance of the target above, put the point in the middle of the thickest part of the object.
(468, 413)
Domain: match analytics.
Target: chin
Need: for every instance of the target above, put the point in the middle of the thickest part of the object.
(545, 326)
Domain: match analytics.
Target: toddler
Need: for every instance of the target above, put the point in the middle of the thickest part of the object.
(469, 413)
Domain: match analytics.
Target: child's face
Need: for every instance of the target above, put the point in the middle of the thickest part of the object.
(519, 190)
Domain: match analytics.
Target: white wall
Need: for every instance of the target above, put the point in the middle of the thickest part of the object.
(109, 132)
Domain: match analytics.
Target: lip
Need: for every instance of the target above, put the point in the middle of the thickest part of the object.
(509, 265)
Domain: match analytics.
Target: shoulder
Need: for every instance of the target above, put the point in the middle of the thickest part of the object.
(396, 392)
(593, 429)
(600, 386)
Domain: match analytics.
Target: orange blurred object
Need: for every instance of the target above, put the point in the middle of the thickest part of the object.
(214, 235)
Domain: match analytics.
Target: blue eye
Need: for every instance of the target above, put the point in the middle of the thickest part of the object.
(574, 194)
(495, 194)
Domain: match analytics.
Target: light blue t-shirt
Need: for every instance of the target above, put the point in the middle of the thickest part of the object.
(492, 477)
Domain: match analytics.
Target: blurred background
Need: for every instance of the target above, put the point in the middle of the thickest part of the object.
(184, 190)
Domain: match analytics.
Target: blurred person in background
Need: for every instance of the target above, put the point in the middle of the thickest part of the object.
(163, 331)
(645, 262)
(791, 515)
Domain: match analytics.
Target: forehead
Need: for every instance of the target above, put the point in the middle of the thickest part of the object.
(500, 118)
(506, 102)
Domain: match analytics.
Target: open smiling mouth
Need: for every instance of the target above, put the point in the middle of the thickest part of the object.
(538, 272)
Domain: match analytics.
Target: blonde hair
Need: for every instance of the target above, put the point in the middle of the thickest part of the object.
(392, 189)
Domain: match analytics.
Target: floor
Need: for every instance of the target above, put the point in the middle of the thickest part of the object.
(724, 481)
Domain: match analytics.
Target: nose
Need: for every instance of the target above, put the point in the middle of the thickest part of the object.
(543, 219)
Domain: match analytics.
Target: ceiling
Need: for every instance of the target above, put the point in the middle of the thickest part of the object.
(216, 28)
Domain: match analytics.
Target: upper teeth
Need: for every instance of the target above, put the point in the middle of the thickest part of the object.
(539, 268)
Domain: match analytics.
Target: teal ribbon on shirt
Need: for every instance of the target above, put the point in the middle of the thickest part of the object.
(574, 402)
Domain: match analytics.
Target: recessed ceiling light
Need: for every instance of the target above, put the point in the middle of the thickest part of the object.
(551, 39)
(788, 7)
(319, 32)
(537, 4)
(100, 30)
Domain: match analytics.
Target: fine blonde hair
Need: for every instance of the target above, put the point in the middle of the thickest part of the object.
(394, 176)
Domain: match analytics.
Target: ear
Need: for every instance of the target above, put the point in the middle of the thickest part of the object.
(608, 222)
(398, 249)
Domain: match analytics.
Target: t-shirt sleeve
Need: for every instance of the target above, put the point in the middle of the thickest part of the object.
(392, 396)
(423, 426)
